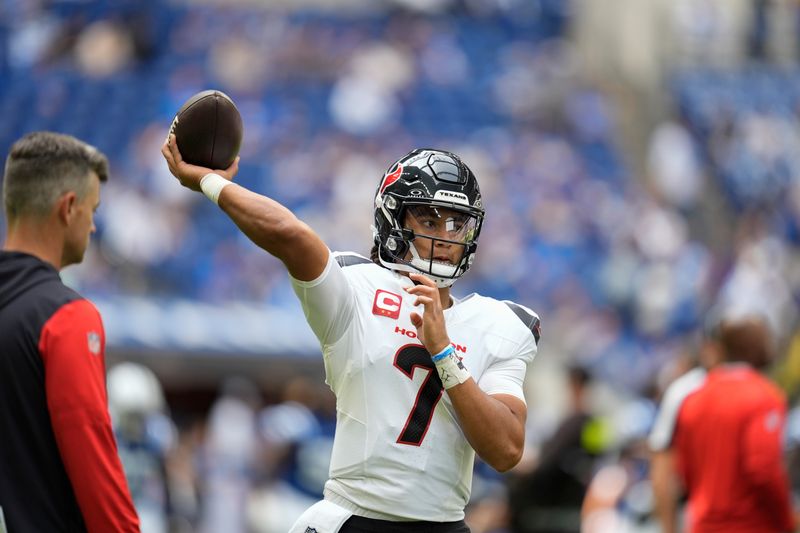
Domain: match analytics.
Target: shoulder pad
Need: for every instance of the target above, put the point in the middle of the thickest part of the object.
(347, 259)
(528, 317)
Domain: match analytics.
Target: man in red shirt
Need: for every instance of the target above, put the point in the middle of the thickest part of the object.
(727, 440)
(59, 468)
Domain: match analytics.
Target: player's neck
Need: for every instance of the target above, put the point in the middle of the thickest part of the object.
(36, 238)
(444, 297)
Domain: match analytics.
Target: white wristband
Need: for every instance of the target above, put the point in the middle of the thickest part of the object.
(212, 184)
(451, 370)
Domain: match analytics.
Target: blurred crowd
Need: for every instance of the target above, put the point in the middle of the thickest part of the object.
(621, 264)
(253, 462)
(328, 101)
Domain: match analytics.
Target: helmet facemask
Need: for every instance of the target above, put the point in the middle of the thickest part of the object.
(449, 236)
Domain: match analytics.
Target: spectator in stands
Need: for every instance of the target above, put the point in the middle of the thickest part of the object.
(733, 484)
(548, 499)
(297, 436)
(145, 435)
(666, 489)
(230, 452)
(59, 468)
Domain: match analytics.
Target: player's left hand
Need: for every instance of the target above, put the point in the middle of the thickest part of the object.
(190, 175)
(431, 329)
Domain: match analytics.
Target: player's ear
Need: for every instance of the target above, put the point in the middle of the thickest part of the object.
(66, 206)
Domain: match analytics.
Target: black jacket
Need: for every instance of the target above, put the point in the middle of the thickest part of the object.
(35, 491)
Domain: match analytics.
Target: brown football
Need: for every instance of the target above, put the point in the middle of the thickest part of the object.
(208, 129)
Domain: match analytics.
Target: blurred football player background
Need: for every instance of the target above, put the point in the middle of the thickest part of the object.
(641, 161)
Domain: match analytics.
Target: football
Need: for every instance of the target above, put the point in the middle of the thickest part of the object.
(208, 129)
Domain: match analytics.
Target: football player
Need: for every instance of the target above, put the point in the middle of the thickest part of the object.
(423, 380)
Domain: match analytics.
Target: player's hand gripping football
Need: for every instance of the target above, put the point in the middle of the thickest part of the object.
(189, 175)
(431, 329)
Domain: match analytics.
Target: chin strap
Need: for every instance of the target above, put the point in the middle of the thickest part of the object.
(406, 267)
(446, 275)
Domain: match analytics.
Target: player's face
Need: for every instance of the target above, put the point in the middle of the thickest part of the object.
(82, 224)
(450, 231)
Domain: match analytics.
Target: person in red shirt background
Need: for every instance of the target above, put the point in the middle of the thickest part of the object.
(59, 467)
(727, 439)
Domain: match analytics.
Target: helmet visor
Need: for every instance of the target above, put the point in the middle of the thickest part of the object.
(442, 223)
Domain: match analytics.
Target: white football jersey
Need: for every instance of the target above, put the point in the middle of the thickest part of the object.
(399, 453)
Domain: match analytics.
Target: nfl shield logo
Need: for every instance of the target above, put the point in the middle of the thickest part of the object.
(94, 342)
(311, 530)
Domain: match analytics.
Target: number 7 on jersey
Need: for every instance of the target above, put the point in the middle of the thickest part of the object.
(407, 359)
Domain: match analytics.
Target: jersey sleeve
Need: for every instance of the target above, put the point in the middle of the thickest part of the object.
(72, 345)
(505, 377)
(763, 463)
(660, 438)
(328, 302)
(506, 374)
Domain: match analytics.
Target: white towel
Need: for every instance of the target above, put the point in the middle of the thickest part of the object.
(322, 517)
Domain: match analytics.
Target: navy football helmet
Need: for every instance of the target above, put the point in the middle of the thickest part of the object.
(438, 188)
